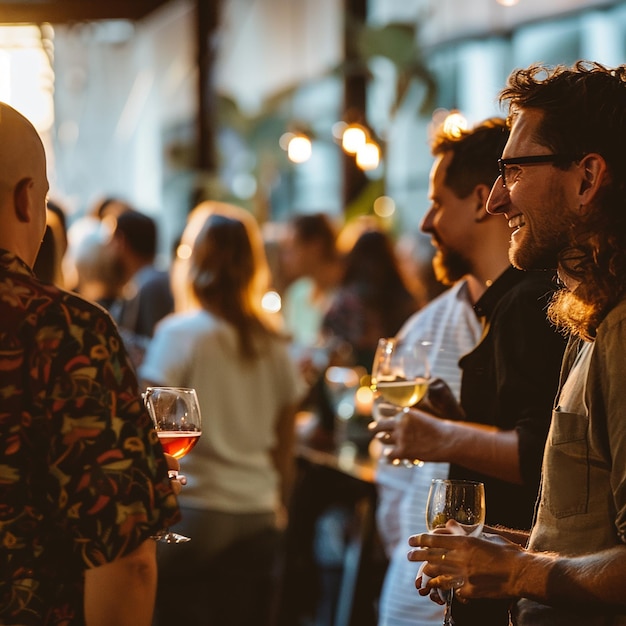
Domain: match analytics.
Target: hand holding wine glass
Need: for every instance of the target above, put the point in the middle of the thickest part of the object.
(175, 412)
(462, 501)
(400, 377)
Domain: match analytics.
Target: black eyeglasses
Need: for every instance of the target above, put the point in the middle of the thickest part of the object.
(510, 168)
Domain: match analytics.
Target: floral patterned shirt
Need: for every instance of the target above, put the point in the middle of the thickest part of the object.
(83, 480)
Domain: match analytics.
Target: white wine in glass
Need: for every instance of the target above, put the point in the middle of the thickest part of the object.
(400, 377)
(462, 501)
(175, 413)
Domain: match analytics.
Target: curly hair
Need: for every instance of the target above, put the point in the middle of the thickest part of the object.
(584, 111)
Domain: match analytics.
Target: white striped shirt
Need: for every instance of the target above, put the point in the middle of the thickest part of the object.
(450, 324)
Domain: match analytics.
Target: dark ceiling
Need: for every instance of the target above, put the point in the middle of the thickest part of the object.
(64, 11)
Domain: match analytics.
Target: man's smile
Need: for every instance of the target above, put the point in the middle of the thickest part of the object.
(517, 221)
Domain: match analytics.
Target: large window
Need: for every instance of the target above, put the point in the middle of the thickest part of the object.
(26, 75)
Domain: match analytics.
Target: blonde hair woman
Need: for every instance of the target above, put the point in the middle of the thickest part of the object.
(225, 346)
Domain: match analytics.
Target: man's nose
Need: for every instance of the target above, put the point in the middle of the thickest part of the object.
(498, 197)
(427, 221)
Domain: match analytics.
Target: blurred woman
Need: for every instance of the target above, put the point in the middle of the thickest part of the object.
(372, 301)
(239, 473)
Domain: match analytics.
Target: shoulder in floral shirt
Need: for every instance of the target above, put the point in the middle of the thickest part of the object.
(82, 476)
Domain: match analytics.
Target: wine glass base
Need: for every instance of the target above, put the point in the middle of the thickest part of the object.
(168, 536)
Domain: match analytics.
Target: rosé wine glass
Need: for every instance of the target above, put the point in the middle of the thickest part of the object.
(175, 412)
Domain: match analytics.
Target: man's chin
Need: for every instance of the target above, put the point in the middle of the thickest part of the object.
(524, 259)
(449, 268)
(446, 277)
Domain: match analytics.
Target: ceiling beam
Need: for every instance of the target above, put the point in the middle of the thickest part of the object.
(64, 11)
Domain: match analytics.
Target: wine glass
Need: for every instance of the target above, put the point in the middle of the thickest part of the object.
(400, 376)
(462, 501)
(175, 413)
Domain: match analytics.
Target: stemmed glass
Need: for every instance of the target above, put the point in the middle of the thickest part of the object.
(400, 377)
(462, 501)
(175, 412)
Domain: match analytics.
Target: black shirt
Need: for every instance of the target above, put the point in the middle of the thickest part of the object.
(510, 380)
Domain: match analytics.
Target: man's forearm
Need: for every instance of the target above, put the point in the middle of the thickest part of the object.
(123, 592)
(487, 450)
(520, 537)
(595, 579)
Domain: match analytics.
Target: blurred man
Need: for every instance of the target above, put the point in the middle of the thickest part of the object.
(83, 482)
(147, 293)
(146, 296)
(562, 191)
(313, 267)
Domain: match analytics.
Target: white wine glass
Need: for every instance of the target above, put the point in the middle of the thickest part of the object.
(464, 502)
(400, 377)
(175, 413)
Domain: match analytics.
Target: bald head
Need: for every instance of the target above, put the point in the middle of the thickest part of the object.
(23, 185)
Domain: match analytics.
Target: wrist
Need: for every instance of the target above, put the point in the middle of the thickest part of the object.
(529, 574)
(452, 437)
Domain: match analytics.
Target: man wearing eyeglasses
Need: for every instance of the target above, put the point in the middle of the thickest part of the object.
(562, 190)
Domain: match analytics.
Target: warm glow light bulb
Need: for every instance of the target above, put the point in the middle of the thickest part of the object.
(271, 302)
(299, 149)
(284, 140)
(364, 400)
(384, 206)
(353, 139)
(368, 156)
(183, 251)
(454, 125)
(338, 129)
(508, 3)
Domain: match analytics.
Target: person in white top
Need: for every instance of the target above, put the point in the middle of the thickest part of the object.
(312, 264)
(239, 473)
(471, 250)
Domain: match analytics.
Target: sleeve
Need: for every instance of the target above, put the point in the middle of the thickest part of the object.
(527, 372)
(108, 475)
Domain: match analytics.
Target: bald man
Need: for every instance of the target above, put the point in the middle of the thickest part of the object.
(83, 480)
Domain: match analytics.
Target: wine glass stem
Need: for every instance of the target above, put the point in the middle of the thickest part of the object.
(447, 616)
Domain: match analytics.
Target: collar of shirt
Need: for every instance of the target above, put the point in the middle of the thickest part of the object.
(9, 262)
(487, 303)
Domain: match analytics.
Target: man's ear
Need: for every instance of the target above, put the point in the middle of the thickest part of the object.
(21, 199)
(482, 194)
(594, 171)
